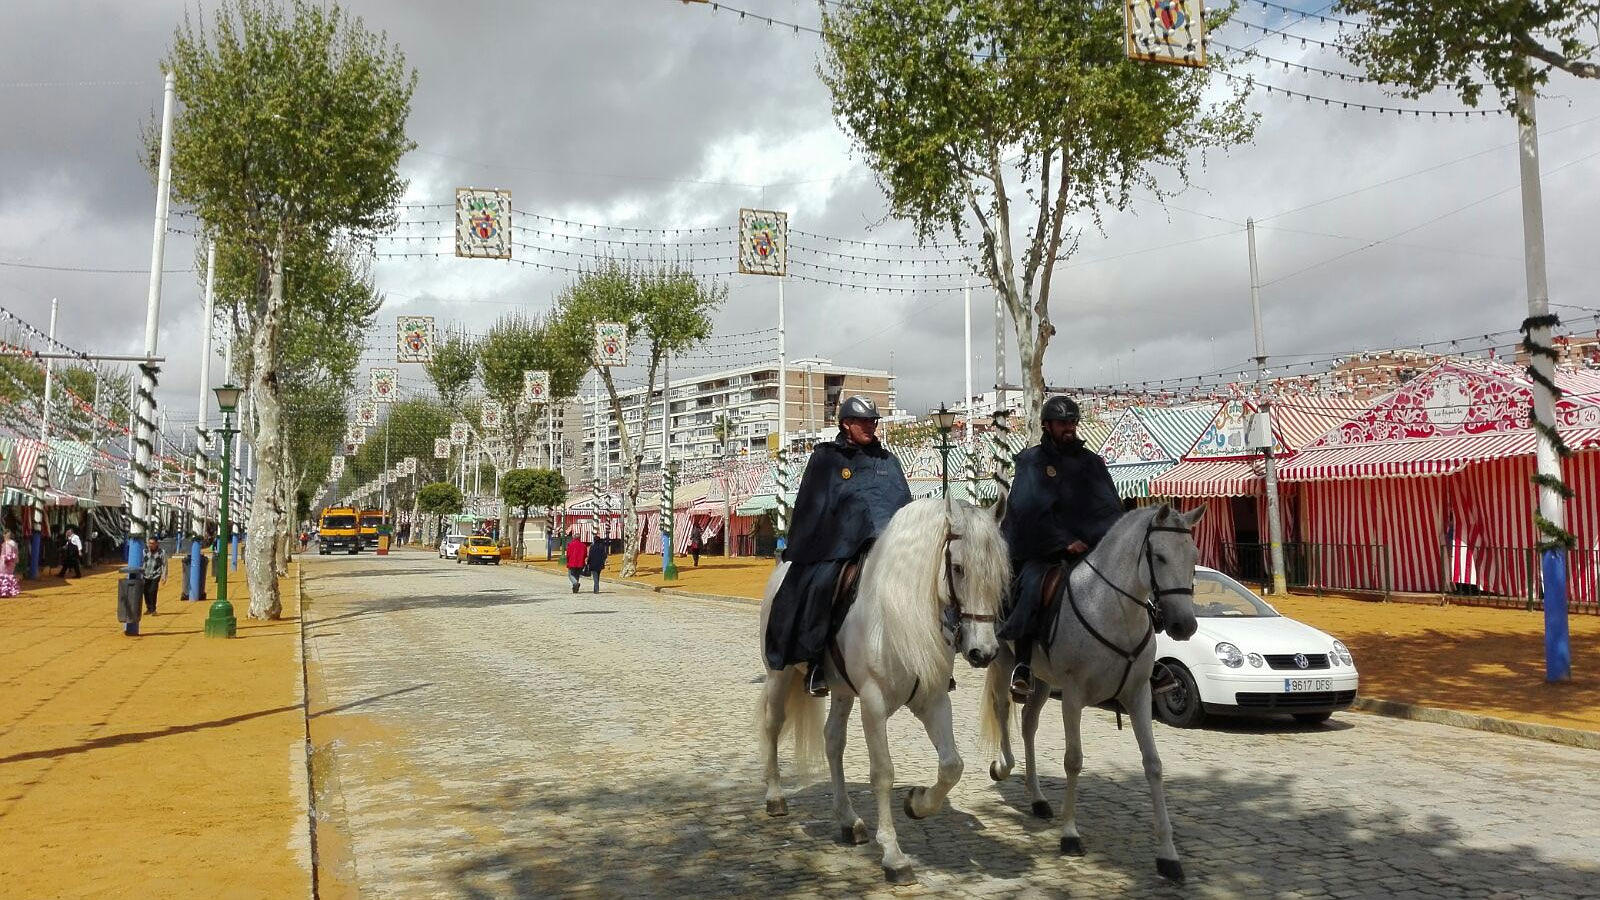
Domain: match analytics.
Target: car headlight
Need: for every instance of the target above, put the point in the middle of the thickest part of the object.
(1256, 660)
(1343, 653)
(1229, 655)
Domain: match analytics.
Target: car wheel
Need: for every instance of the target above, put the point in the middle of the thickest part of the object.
(1316, 718)
(1181, 706)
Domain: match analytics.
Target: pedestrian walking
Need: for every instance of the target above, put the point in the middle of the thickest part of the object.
(597, 559)
(8, 566)
(577, 556)
(155, 571)
(694, 550)
(71, 554)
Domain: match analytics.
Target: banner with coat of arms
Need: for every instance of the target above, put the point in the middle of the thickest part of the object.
(610, 344)
(1167, 31)
(458, 433)
(354, 434)
(415, 341)
(483, 223)
(441, 448)
(408, 466)
(336, 467)
(385, 384)
(535, 387)
(490, 413)
(366, 413)
(763, 242)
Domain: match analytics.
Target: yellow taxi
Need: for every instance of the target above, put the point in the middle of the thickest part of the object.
(479, 550)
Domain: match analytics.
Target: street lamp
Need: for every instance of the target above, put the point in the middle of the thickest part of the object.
(944, 420)
(221, 622)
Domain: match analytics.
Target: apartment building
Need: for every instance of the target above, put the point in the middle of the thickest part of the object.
(746, 397)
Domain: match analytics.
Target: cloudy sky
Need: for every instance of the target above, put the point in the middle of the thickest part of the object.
(1376, 230)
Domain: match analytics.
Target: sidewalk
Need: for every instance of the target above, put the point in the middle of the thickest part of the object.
(167, 765)
(1487, 662)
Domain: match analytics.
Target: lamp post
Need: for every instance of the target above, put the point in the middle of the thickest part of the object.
(944, 420)
(221, 622)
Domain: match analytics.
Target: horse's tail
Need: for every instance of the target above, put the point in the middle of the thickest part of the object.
(997, 713)
(802, 716)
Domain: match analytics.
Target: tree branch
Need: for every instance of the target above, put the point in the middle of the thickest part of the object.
(1525, 43)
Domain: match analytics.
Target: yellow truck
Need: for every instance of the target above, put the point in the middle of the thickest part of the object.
(371, 521)
(339, 528)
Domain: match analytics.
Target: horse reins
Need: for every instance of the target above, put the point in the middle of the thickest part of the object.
(1152, 610)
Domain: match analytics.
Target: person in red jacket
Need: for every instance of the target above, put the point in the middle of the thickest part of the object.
(577, 555)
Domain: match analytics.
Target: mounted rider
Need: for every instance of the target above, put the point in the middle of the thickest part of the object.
(1062, 503)
(852, 487)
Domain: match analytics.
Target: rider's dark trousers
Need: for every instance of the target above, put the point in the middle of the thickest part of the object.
(797, 626)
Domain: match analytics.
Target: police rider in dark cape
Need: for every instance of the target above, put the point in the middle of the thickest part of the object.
(1062, 504)
(850, 490)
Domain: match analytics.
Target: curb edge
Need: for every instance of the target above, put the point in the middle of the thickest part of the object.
(1571, 737)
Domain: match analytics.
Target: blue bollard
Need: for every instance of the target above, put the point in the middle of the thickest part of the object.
(194, 570)
(233, 545)
(1557, 643)
(135, 553)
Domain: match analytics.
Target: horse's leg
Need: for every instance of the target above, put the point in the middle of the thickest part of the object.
(1167, 854)
(924, 802)
(851, 829)
(997, 686)
(874, 721)
(1030, 727)
(1072, 725)
(776, 695)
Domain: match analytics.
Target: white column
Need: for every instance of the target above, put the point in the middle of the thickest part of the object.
(146, 402)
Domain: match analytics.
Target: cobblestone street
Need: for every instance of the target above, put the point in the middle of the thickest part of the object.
(483, 732)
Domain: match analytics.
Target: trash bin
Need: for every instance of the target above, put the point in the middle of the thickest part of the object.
(204, 565)
(130, 600)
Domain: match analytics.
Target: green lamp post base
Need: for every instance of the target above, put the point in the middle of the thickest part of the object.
(669, 573)
(221, 623)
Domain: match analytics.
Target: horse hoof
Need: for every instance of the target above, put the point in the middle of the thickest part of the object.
(1072, 846)
(995, 774)
(910, 810)
(778, 807)
(853, 834)
(1042, 810)
(1170, 869)
(900, 875)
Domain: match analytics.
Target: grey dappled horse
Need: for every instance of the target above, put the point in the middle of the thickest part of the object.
(930, 589)
(1101, 648)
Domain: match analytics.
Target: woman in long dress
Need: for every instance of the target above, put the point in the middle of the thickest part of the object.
(8, 567)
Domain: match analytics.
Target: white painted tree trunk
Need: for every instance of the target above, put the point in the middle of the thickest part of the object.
(266, 510)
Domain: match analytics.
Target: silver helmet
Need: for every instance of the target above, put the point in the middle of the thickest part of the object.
(858, 407)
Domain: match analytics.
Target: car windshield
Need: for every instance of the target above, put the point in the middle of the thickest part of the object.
(1218, 596)
(339, 522)
(481, 542)
(456, 539)
(371, 521)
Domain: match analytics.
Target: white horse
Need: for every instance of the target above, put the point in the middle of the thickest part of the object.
(930, 589)
(1101, 649)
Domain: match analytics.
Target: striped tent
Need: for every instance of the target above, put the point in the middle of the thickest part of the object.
(1145, 442)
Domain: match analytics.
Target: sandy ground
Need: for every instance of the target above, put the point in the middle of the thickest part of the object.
(1478, 660)
(167, 765)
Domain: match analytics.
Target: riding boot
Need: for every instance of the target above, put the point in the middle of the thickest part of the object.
(1022, 674)
(816, 680)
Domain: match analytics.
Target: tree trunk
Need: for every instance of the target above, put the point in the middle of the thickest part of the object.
(416, 525)
(266, 511)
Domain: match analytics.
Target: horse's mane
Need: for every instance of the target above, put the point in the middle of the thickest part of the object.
(905, 572)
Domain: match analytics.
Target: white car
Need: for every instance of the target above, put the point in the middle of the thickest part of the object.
(1247, 659)
(450, 545)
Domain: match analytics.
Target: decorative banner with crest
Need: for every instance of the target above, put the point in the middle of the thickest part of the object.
(354, 434)
(336, 467)
(610, 344)
(458, 433)
(408, 466)
(441, 448)
(366, 413)
(483, 223)
(415, 339)
(351, 448)
(535, 387)
(763, 242)
(385, 384)
(1167, 31)
(490, 413)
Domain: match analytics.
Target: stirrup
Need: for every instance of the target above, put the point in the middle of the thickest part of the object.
(816, 682)
(1021, 683)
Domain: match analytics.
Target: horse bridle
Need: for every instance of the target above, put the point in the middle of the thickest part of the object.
(955, 614)
(1149, 604)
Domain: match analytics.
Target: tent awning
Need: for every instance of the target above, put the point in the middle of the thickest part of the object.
(1133, 479)
(1404, 459)
(760, 504)
(1210, 478)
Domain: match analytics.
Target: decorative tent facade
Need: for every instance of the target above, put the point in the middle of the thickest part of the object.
(1145, 443)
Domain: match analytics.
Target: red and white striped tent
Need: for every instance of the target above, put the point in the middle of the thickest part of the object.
(1437, 474)
(1220, 467)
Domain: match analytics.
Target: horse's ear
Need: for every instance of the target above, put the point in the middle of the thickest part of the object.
(1163, 514)
(1000, 505)
(1192, 516)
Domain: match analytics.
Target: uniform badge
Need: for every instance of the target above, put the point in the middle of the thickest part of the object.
(845, 473)
(1050, 470)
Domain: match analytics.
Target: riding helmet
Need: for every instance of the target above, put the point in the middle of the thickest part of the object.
(1059, 409)
(858, 407)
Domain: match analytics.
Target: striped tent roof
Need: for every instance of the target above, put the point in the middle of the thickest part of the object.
(1178, 427)
(1211, 478)
(1219, 465)
(1133, 479)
